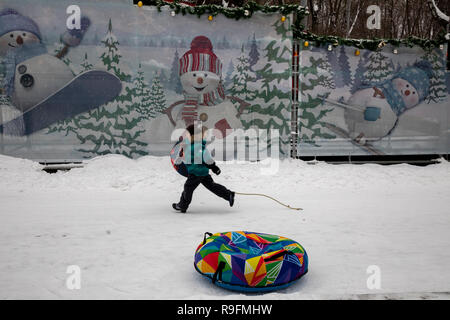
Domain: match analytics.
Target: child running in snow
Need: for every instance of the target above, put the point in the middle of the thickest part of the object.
(198, 161)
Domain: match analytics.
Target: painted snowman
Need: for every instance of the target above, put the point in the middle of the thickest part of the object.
(377, 108)
(31, 74)
(200, 73)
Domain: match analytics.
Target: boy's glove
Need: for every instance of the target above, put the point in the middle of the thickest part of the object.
(214, 168)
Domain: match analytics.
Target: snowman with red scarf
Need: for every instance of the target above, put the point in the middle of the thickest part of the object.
(200, 73)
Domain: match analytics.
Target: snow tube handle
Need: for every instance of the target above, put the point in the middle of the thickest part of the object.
(279, 254)
(204, 237)
(218, 272)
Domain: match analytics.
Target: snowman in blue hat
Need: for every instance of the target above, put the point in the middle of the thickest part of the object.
(31, 74)
(41, 85)
(375, 109)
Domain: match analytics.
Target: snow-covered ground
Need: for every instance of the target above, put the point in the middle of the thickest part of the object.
(113, 219)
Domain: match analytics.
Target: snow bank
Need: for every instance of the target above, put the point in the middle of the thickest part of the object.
(113, 219)
(119, 172)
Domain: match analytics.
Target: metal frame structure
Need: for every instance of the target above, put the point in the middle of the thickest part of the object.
(295, 130)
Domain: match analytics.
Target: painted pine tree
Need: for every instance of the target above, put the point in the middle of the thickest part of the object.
(111, 55)
(241, 77)
(7, 110)
(345, 76)
(4, 99)
(59, 46)
(327, 78)
(333, 60)
(270, 110)
(2, 76)
(248, 43)
(65, 126)
(438, 86)
(142, 95)
(70, 125)
(163, 78)
(311, 110)
(85, 64)
(114, 127)
(223, 44)
(254, 53)
(379, 67)
(359, 75)
(157, 96)
(174, 78)
(2, 70)
(96, 40)
(227, 81)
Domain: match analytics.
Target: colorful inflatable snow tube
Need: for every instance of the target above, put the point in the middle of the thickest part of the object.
(249, 261)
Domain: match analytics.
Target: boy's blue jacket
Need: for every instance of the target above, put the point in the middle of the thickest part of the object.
(197, 157)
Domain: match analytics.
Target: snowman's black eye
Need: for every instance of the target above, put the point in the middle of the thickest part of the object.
(206, 75)
(414, 92)
(24, 34)
(195, 74)
(11, 35)
(407, 85)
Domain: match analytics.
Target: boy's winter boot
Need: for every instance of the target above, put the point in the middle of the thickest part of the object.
(178, 208)
(231, 200)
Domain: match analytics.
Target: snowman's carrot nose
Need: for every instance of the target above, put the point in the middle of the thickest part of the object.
(19, 40)
(199, 80)
(407, 92)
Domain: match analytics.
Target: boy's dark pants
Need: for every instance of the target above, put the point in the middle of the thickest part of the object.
(193, 182)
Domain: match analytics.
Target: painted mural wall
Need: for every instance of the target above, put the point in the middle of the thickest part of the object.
(128, 77)
(391, 101)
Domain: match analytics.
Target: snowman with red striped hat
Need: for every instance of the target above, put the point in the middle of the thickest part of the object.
(200, 73)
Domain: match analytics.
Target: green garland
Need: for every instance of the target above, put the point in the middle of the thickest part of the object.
(244, 12)
(370, 44)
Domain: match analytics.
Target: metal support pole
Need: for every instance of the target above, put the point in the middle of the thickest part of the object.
(295, 98)
(2, 140)
(295, 90)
